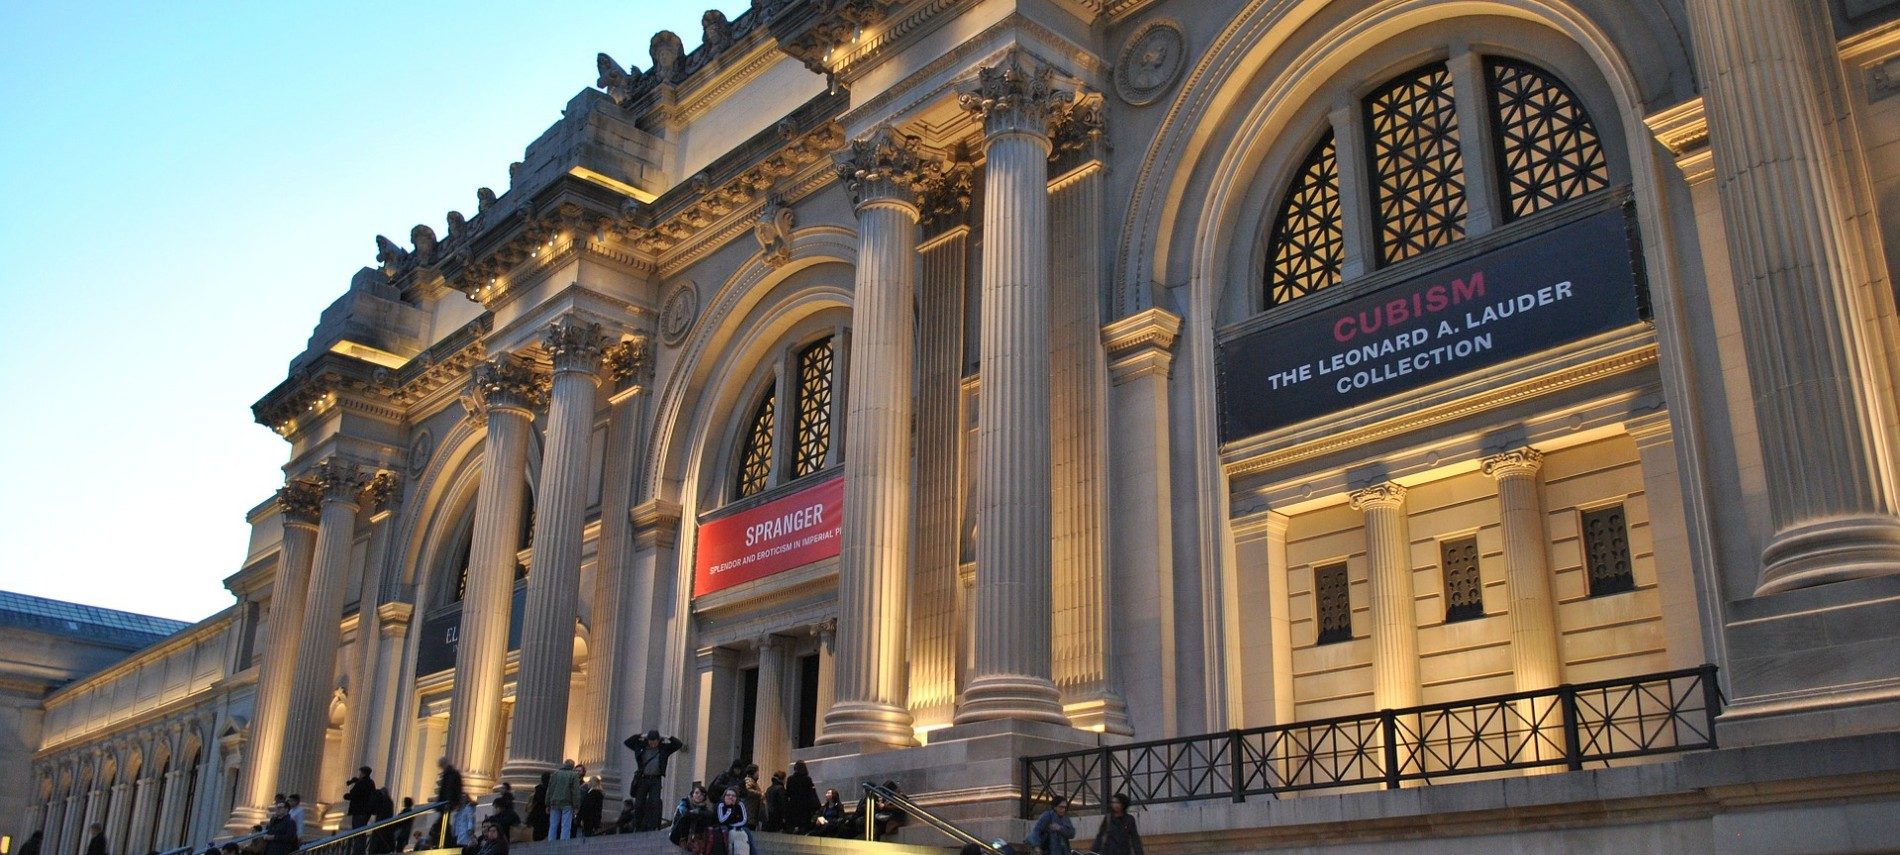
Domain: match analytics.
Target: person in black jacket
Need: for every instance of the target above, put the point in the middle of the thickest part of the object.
(97, 845)
(801, 800)
(32, 844)
(1118, 834)
(361, 798)
(381, 807)
(593, 802)
(776, 805)
(399, 832)
(281, 835)
(650, 753)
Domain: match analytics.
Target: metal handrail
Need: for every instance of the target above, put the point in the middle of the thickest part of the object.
(359, 831)
(877, 794)
(188, 849)
(1565, 726)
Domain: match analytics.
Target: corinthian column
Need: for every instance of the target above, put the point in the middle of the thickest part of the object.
(509, 390)
(1535, 663)
(611, 716)
(1813, 346)
(315, 678)
(1013, 673)
(873, 564)
(298, 505)
(1394, 615)
(554, 581)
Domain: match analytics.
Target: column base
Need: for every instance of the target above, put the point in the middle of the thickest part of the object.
(1830, 550)
(523, 774)
(1105, 714)
(970, 774)
(863, 721)
(1015, 697)
(242, 818)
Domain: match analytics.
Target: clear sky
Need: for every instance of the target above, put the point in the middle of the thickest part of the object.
(186, 185)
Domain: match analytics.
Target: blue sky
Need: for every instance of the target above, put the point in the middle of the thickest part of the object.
(186, 185)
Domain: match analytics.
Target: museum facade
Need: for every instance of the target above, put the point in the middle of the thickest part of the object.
(916, 387)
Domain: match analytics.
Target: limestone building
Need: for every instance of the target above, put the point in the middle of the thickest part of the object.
(1324, 416)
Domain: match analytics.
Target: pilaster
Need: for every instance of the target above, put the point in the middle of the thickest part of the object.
(1139, 355)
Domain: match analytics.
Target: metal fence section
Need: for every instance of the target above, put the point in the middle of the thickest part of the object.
(1572, 725)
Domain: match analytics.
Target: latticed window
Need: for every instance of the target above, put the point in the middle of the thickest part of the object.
(755, 456)
(811, 436)
(1418, 172)
(1464, 587)
(1547, 147)
(1306, 247)
(1332, 598)
(1606, 551)
(1546, 152)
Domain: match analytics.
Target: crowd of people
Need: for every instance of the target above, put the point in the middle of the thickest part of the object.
(714, 818)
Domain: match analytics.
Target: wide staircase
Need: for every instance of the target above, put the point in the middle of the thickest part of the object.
(655, 843)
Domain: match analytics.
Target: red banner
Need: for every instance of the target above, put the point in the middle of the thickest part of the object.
(787, 532)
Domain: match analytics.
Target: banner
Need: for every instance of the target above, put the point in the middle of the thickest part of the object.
(1573, 281)
(440, 635)
(787, 532)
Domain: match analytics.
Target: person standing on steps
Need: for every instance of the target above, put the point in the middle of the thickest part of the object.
(650, 753)
(801, 800)
(1053, 830)
(564, 794)
(1118, 835)
(282, 835)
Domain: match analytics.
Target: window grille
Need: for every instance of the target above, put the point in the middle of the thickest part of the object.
(755, 457)
(1333, 601)
(811, 436)
(1547, 147)
(1306, 247)
(1606, 549)
(1464, 586)
(1417, 168)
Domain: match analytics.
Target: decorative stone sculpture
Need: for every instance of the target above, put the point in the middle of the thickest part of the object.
(665, 49)
(614, 80)
(774, 231)
(716, 31)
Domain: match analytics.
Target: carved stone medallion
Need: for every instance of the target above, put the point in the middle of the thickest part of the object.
(677, 312)
(1151, 61)
(419, 452)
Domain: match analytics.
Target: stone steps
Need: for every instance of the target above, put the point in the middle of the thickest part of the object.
(655, 843)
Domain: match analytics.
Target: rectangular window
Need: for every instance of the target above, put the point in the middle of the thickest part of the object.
(1333, 600)
(1464, 587)
(1606, 551)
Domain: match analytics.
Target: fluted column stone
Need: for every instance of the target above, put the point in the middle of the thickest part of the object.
(628, 365)
(771, 737)
(1814, 349)
(1394, 613)
(165, 835)
(547, 630)
(508, 389)
(121, 801)
(299, 506)
(368, 700)
(1013, 675)
(311, 687)
(1535, 661)
(872, 703)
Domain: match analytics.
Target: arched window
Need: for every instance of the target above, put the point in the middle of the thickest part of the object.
(755, 456)
(1544, 151)
(775, 448)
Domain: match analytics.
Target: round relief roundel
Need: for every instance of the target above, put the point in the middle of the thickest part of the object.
(677, 312)
(1151, 61)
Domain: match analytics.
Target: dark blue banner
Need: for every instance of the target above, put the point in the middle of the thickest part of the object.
(435, 651)
(1551, 288)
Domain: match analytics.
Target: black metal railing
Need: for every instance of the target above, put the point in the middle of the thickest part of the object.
(877, 795)
(1569, 726)
(355, 841)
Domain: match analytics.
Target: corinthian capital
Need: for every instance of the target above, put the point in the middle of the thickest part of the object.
(340, 480)
(508, 382)
(1386, 495)
(629, 361)
(882, 167)
(381, 489)
(1517, 461)
(574, 345)
(300, 501)
(1013, 96)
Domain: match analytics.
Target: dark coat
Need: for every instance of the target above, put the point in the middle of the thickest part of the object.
(801, 800)
(638, 743)
(593, 801)
(777, 807)
(32, 844)
(281, 837)
(448, 787)
(361, 797)
(1118, 836)
(96, 846)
